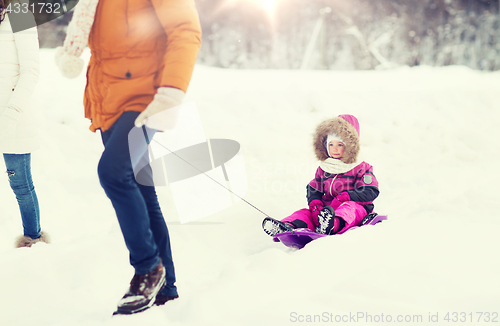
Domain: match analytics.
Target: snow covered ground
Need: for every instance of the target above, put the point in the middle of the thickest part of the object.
(431, 134)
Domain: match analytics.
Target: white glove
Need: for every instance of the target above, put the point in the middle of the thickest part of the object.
(9, 119)
(70, 65)
(162, 113)
(77, 36)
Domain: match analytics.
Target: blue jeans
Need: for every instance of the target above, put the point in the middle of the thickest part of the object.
(19, 172)
(137, 208)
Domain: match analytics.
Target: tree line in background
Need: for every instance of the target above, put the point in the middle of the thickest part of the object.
(339, 34)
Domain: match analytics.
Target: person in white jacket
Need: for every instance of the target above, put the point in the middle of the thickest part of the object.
(19, 69)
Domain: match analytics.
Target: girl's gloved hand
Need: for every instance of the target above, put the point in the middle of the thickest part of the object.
(315, 207)
(161, 113)
(341, 197)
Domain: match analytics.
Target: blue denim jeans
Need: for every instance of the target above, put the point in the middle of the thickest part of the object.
(136, 206)
(19, 172)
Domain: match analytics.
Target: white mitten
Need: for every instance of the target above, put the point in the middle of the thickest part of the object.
(162, 113)
(77, 35)
(70, 65)
(9, 119)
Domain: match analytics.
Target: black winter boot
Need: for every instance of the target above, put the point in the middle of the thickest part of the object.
(272, 226)
(161, 299)
(326, 219)
(142, 292)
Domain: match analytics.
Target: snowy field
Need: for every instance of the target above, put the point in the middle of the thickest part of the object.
(431, 134)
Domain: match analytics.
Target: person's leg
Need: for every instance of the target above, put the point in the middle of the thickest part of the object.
(352, 213)
(138, 213)
(328, 221)
(118, 181)
(162, 239)
(19, 173)
(301, 219)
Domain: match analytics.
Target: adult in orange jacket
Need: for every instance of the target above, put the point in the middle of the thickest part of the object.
(143, 55)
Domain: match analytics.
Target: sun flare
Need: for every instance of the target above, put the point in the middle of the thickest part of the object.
(268, 5)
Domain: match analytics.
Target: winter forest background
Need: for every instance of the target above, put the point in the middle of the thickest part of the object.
(350, 35)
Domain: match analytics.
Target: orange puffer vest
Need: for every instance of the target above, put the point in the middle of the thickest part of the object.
(138, 46)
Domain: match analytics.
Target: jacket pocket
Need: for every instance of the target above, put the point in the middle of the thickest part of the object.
(130, 68)
(127, 85)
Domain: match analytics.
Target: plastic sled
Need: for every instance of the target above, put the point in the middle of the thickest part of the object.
(298, 238)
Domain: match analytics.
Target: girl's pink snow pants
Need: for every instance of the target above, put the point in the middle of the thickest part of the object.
(351, 212)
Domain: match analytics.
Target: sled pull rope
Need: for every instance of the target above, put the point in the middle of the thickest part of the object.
(217, 182)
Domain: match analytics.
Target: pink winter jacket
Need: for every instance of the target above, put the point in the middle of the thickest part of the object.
(360, 183)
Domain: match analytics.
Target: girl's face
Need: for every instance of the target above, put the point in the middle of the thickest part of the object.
(336, 149)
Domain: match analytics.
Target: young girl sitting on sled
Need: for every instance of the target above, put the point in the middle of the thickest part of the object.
(342, 191)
